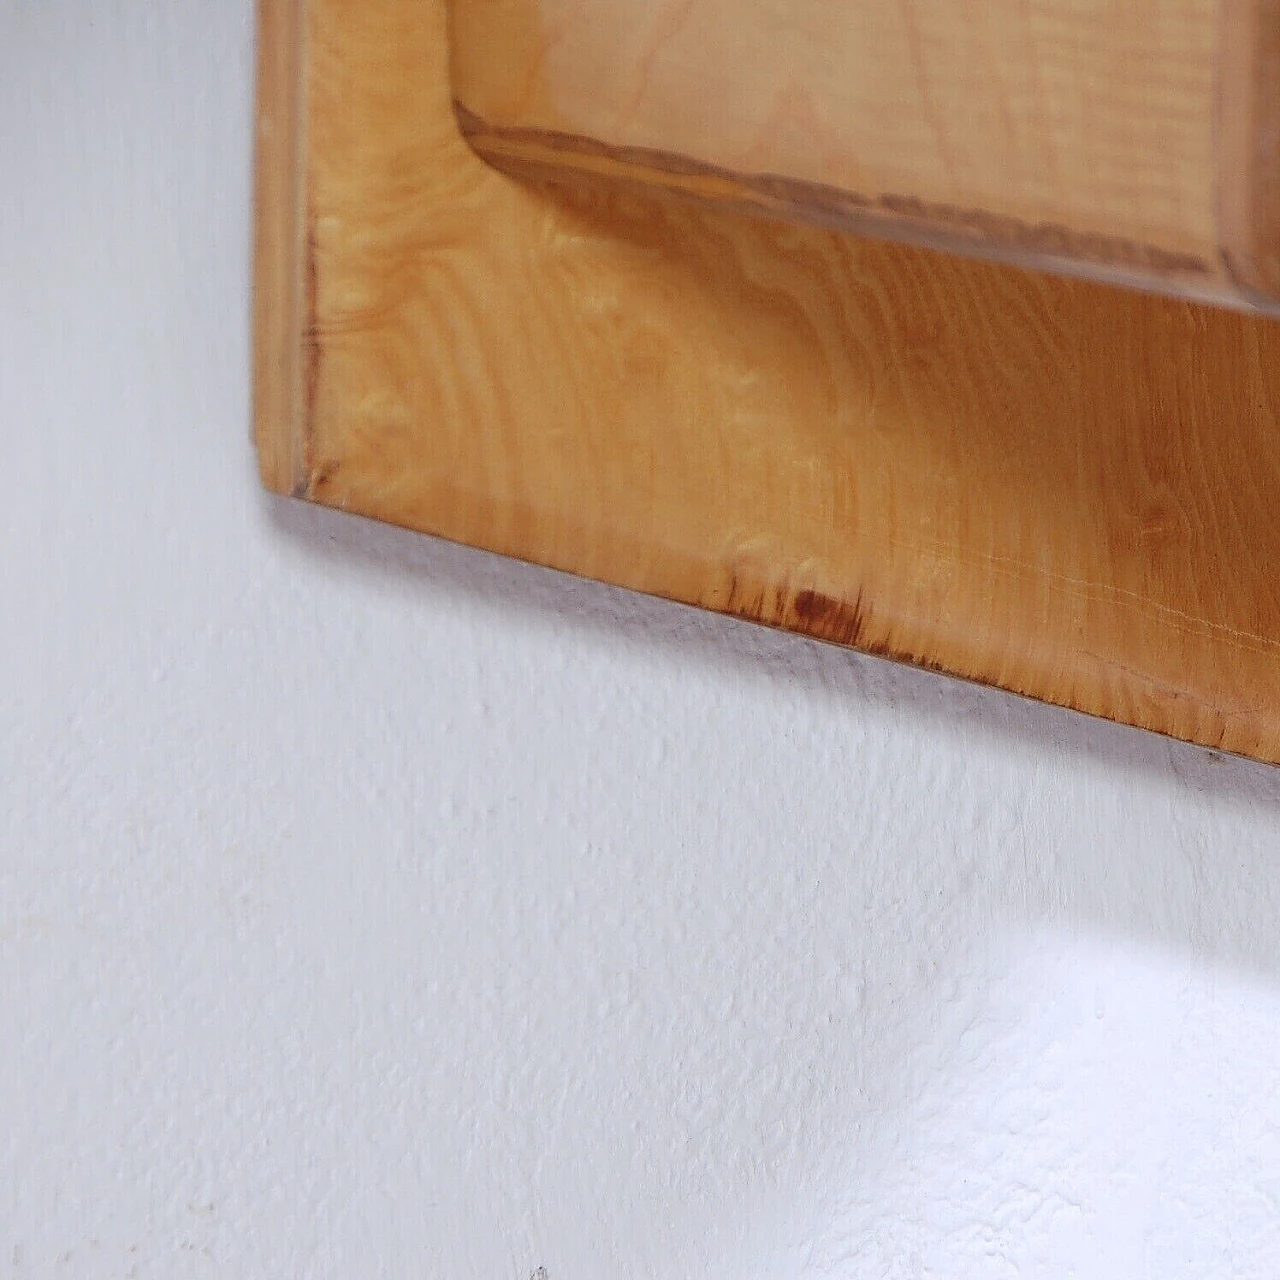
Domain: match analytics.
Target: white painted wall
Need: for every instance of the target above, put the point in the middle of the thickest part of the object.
(371, 907)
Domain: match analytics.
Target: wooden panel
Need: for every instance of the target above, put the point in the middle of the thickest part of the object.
(1058, 488)
(1132, 141)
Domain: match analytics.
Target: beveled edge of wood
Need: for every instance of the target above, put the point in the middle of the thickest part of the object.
(280, 266)
(1249, 147)
(546, 156)
(541, 153)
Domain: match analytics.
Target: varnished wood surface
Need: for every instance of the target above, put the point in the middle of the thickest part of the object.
(1061, 489)
(1131, 141)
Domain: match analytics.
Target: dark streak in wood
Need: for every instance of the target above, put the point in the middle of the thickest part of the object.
(830, 618)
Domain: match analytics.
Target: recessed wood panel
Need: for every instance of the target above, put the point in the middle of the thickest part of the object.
(1129, 141)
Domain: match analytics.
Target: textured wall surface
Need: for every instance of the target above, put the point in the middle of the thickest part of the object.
(374, 907)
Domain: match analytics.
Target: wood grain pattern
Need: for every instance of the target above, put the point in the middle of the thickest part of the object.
(1133, 142)
(1061, 489)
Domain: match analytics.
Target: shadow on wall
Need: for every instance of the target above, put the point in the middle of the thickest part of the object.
(750, 652)
(761, 985)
